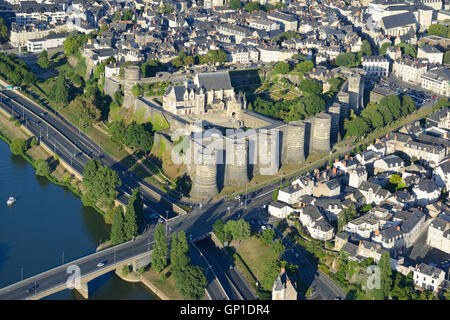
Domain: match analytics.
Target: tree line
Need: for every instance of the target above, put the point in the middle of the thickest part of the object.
(375, 115)
(190, 280)
(15, 71)
(134, 135)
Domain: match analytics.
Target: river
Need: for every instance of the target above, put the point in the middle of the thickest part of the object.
(48, 225)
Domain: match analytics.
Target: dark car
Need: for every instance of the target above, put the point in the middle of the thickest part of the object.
(32, 288)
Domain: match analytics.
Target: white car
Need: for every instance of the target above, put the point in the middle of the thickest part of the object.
(100, 264)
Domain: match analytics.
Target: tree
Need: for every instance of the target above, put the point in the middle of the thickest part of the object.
(118, 131)
(118, 97)
(371, 115)
(85, 109)
(386, 113)
(43, 61)
(137, 90)
(278, 248)
(138, 137)
(345, 59)
(275, 194)
(356, 127)
(18, 146)
(134, 218)
(179, 258)
(239, 229)
(441, 103)
(190, 281)
(366, 49)
(310, 87)
(305, 66)
(270, 274)
(235, 4)
(59, 93)
(447, 57)
(100, 183)
(42, 168)
(383, 48)
(3, 31)
(408, 105)
(392, 103)
(127, 15)
(252, 6)
(314, 104)
(385, 273)
(104, 27)
(165, 8)
(439, 30)
(346, 215)
(117, 228)
(161, 250)
(281, 67)
(267, 236)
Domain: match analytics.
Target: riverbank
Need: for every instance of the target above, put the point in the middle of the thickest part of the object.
(60, 174)
(165, 290)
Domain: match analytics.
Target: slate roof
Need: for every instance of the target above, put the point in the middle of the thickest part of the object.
(398, 20)
(215, 80)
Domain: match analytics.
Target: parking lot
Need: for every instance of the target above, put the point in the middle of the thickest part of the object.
(419, 95)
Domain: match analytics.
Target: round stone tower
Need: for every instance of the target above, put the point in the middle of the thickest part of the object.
(295, 143)
(268, 151)
(236, 162)
(335, 112)
(320, 137)
(204, 184)
(132, 76)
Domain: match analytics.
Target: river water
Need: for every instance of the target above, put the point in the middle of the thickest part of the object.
(47, 224)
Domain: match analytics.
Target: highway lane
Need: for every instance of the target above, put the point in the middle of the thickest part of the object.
(197, 223)
(59, 275)
(225, 267)
(76, 149)
(214, 288)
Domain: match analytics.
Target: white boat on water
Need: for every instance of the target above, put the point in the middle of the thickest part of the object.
(11, 201)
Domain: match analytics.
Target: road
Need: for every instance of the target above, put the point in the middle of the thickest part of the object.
(215, 289)
(230, 278)
(75, 148)
(323, 287)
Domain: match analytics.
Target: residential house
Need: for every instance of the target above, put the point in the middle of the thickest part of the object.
(426, 192)
(279, 209)
(283, 287)
(427, 277)
(439, 234)
(391, 163)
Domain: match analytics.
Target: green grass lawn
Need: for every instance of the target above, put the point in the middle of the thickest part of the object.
(166, 285)
(256, 255)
